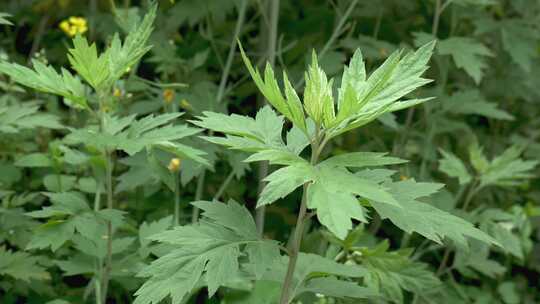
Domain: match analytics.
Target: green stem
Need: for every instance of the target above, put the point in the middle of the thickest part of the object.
(334, 36)
(473, 190)
(286, 296)
(270, 45)
(220, 94)
(99, 269)
(108, 258)
(223, 186)
(398, 149)
(176, 198)
(198, 196)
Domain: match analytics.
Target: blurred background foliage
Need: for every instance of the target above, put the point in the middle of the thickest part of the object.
(481, 136)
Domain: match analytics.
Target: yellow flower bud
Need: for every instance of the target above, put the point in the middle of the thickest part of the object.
(117, 92)
(174, 165)
(185, 104)
(168, 95)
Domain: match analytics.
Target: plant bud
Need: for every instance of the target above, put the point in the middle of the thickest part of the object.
(168, 96)
(174, 165)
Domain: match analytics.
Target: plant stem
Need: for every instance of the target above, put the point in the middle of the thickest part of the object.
(410, 113)
(220, 94)
(232, 51)
(223, 186)
(98, 266)
(198, 195)
(436, 18)
(298, 231)
(39, 35)
(472, 192)
(333, 37)
(270, 45)
(176, 199)
(108, 259)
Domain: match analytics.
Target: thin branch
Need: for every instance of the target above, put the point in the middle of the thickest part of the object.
(335, 34)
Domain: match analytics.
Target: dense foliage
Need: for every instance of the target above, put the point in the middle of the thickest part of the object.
(267, 151)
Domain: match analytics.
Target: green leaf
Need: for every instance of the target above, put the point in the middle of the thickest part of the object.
(335, 209)
(318, 96)
(59, 182)
(472, 102)
(362, 101)
(520, 40)
(454, 167)
(508, 169)
(3, 18)
(261, 136)
(21, 266)
(133, 136)
(284, 181)
(290, 107)
(122, 56)
(85, 60)
(208, 251)
(467, 54)
(34, 160)
(146, 230)
(333, 287)
(26, 116)
(425, 219)
(392, 272)
(361, 159)
(45, 79)
(53, 234)
(333, 194)
(478, 160)
(318, 275)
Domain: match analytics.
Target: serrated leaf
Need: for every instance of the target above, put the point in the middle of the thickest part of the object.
(284, 181)
(45, 79)
(425, 219)
(364, 101)
(85, 60)
(467, 54)
(290, 107)
(520, 40)
(333, 194)
(361, 159)
(208, 251)
(454, 167)
(21, 266)
(124, 55)
(392, 272)
(472, 102)
(317, 274)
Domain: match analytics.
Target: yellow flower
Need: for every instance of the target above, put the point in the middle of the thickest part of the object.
(168, 95)
(174, 165)
(403, 177)
(117, 92)
(73, 26)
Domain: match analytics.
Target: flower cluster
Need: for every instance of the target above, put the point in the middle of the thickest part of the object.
(74, 26)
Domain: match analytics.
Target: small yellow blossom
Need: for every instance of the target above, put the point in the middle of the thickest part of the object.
(174, 165)
(403, 177)
(168, 95)
(185, 104)
(117, 92)
(73, 26)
